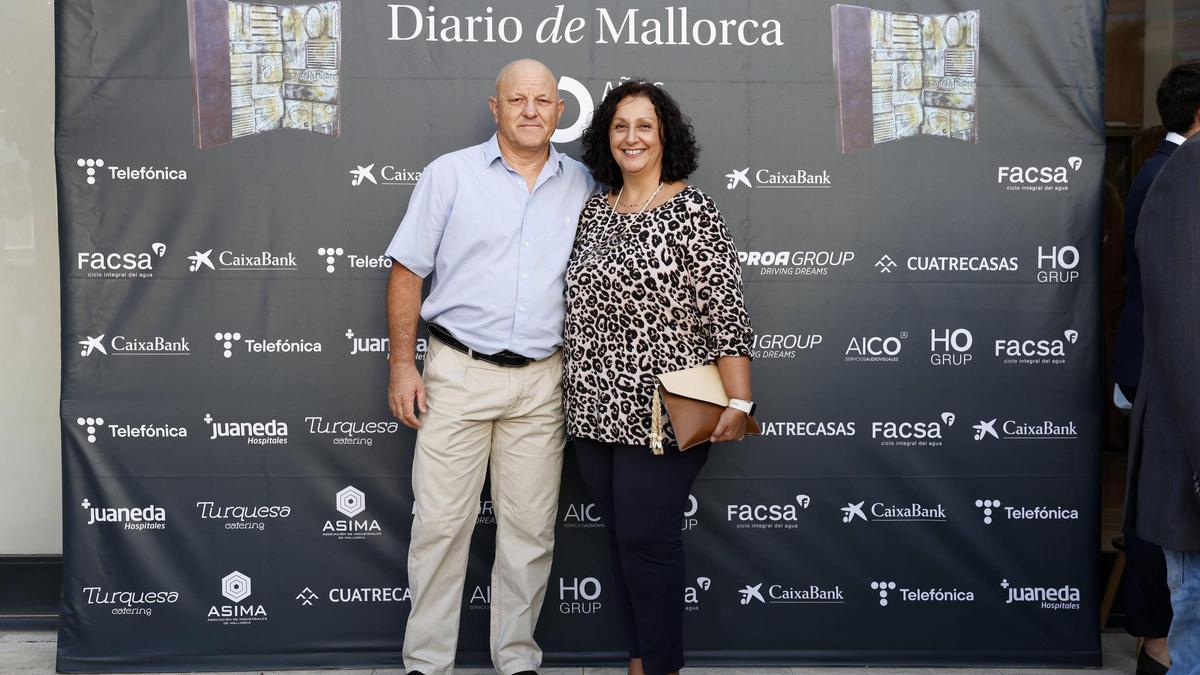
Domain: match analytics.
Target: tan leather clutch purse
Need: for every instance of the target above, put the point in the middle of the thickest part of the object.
(694, 399)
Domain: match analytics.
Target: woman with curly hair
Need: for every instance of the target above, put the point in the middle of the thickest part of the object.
(653, 285)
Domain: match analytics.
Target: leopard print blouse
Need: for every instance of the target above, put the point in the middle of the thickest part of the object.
(645, 295)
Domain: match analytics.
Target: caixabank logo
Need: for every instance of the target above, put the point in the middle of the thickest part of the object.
(131, 264)
(251, 262)
(790, 594)
(892, 512)
(912, 433)
(993, 509)
(129, 518)
(233, 342)
(236, 587)
(261, 432)
(97, 427)
(335, 259)
(1025, 430)
(1056, 598)
(1045, 178)
(768, 516)
(387, 175)
(890, 592)
(134, 345)
(1040, 351)
(128, 603)
(786, 179)
(794, 263)
(248, 517)
(95, 169)
(351, 502)
(579, 595)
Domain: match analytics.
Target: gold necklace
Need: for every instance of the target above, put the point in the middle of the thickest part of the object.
(644, 204)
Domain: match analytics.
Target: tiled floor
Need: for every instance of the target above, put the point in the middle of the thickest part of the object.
(33, 652)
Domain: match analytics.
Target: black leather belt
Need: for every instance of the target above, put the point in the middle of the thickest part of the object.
(505, 358)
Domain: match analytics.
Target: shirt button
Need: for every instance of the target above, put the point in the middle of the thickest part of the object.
(525, 243)
(522, 308)
(524, 276)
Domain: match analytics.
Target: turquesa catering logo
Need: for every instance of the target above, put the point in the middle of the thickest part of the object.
(129, 603)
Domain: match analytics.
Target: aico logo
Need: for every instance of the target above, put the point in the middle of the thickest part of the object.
(236, 587)
(795, 263)
(93, 166)
(1030, 352)
(243, 261)
(781, 594)
(772, 178)
(808, 428)
(94, 424)
(875, 349)
(271, 432)
(243, 517)
(123, 345)
(582, 515)
(579, 596)
(129, 603)
(1062, 597)
(481, 598)
(1042, 430)
(277, 346)
(99, 265)
(904, 433)
(890, 591)
(913, 512)
(992, 507)
(350, 502)
(693, 593)
(768, 346)
(350, 432)
(389, 174)
(1038, 178)
(950, 347)
(1056, 265)
(130, 517)
(330, 257)
(767, 516)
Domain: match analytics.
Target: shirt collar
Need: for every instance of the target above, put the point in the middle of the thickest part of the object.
(491, 152)
(1175, 138)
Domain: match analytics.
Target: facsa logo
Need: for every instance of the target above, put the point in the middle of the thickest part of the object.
(236, 587)
(905, 433)
(129, 603)
(770, 178)
(93, 425)
(950, 347)
(767, 516)
(896, 513)
(579, 596)
(777, 346)
(692, 593)
(875, 348)
(1038, 178)
(795, 263)
(1057, 265)
(992, 506)
(92, 166)
(1060, 598)
(350, 432)
(243, 517)
(278, 346)
(131, 518)
(808, 428)
(99, 265)
(389, 174)
(1012, 351)
(330, 255)
(122, 345)
(1043, 430)
(234, 261)
(350, 502)
(271, 432)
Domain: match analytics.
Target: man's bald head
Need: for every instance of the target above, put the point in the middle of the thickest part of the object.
(525, 70)
(526, 107)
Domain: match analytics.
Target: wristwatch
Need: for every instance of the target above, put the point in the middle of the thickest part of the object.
(747, 407)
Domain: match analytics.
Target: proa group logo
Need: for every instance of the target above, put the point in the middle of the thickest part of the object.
(908, 433)
(1015, 430)
(795, 263)
(690, 518)
(243, 517)
(236, 587)
(133, 518)
(1057, 265)
(992, 509)
(784, 516)
(129, 603)
(330, 256)
(1035, 352)
(487, 512)
(784, 345)
(788, 179)
(288, 346)
(94, 426)
(351, 502)
(480, 598)
(875, 348)
(120, 264)
(890, 592)
(95, 167)
(582, 515)
(579, 595)
(124, 345)
(1039, 178)
(350, 432)
(791, 594)
(1058, 598)
(270, 432)
(950, 346)
(243, 261)
(809, 428)
(388, 174)
(885, 512)
(693, 593)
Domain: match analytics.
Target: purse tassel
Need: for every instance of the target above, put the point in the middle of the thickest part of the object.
(656, 433)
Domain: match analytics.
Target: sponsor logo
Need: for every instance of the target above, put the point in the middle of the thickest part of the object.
(1038, 178)
(579, 596)
(277, 346)
(885, 265)
(330, 255)
(487, 512)
(1031, 352)
(767, 516)
(992, 509)
(875, 348)
(243, 517)
(350, 432)
(582, 515)
(690, 521)
(236, 587)
(911, 433)
(129, 603)
(895, 513)
(851, 511)
(350, 502)
(795, 263)
(780, 594)
(243, 261)
(93, 425)
(1057, 265)
(361, 173)
(777, 346)
(962, 263)
(889, 592)
(481, 597)
(808, 428)
(1059, 598)
(306, 597)
(120, 264)
(771, 178)
(135, 518)
(122, 345)
(950, 347)
(201, 259)
(1013, 430)
(271, 432)
(93, 166)
(694, 592)
(369, 594)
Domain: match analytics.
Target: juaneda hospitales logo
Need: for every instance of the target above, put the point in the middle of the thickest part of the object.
(138, 519)
(270, 432)
(1062, 597)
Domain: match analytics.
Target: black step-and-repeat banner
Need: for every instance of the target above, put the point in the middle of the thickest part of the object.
(914, 188)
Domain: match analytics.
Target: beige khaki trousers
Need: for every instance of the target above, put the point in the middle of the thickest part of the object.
(483, 418)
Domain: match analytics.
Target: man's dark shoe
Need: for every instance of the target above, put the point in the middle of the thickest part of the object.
(1147, 665)
(526, 672)
(415, 672)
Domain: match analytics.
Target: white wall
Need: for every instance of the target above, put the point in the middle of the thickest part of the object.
(30, 481)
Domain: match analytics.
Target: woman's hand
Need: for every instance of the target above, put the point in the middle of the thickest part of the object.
(731, 426)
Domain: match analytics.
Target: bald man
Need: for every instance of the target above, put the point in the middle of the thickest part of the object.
(492, 225)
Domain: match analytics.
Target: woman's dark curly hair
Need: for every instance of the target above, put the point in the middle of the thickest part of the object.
(680, 150)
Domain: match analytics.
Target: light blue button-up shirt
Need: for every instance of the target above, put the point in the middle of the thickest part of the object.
(497, 250)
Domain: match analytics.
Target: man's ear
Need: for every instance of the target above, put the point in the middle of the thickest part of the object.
(494, 106)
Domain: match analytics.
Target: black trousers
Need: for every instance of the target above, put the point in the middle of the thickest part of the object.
(641, 497)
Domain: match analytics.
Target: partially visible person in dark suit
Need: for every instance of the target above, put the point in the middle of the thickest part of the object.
(1163, 493)
(1147, 600)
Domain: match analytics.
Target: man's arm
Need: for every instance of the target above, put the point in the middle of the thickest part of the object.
(406, 391)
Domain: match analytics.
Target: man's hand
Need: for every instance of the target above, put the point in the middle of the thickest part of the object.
(406, 394)
(731, 426)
